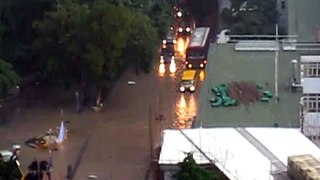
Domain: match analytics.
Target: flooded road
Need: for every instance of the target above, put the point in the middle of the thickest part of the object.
(180, 107)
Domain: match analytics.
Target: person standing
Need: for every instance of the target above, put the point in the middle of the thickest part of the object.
(2, 168)
(13, 169)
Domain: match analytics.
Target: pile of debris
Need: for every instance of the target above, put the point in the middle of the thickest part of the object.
(244, 92)
(239, 92)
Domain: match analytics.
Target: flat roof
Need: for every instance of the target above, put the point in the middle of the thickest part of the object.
(309, 58)
(226, 66)
(188, 74)
(311, 85)
(240, 153)
(199, 37)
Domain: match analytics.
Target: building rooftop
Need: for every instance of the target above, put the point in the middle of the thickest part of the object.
(240, 153)
(226, 65)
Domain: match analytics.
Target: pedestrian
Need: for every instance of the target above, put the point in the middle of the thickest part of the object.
(78, 104)
(2, 168)
(13, 170)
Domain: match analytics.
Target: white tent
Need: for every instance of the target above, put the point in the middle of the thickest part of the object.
(62, 133)
(240, 153)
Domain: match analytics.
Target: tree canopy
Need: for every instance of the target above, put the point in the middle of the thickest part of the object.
(190, 170)
(251, 16)
(200, 9)
(75, 41)
(94, 42)
(8, 78)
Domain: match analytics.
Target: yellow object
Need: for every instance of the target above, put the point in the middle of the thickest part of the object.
(188, 75)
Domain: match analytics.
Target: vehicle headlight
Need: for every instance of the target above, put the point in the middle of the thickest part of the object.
(188, 29)
(189, 65)
(192, 88)
(164, 41)
(174, 41)
(182, 88)
(201, 65)
(180, 29)
(179, 14)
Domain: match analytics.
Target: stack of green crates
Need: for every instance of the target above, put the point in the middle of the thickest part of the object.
(222, 98)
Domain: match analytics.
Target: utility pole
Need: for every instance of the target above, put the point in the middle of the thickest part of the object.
(276, 68)
(150, 132)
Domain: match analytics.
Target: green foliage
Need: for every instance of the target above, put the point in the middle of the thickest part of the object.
(200, 9)
(17, 33)
(94, 41)
(189, 170)
(8, 78)
(251, 17)
(142, 44)
(162, 17)
(108, 29)
(62, 40)
(76, 40)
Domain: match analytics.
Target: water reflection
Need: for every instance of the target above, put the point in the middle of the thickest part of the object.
(162, 69)
(192, 107)
(202, 75)
(186, 110)
(172, 67)
(182, 45)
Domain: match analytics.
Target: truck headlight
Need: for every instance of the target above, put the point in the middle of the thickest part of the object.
(192, 88)
(164, 42)
(179, 14)
(180, 29)
(189, 65)
(201, 65)
(188, 29)
(182, 89)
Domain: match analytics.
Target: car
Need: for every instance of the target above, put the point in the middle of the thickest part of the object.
(170, 40)
(6, 155)
(188, 82)
(184, 29)
(166, 55)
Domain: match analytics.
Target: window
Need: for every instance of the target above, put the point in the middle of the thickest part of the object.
(311, 102)
(311, 69)
(283, 4)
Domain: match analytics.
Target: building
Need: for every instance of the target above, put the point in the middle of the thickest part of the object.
(240, 153)
(253, 62)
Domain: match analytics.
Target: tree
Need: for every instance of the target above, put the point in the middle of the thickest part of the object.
(141, 46)
(16, 21)
(94, 42)
(62, 40)
(108, 29)
(251, 17)
(162, 17)
(8, 78)
(200, 9)
(189, 170)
